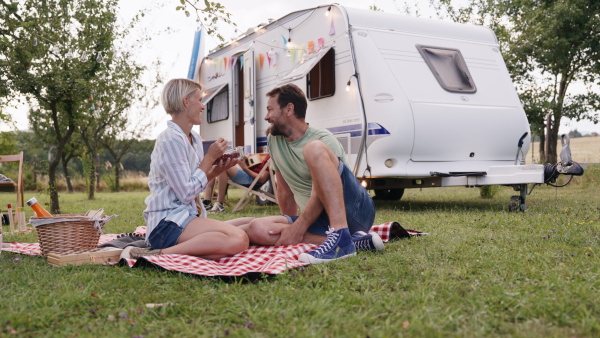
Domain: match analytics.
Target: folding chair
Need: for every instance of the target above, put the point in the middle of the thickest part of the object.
(249, 192)
(19, 183)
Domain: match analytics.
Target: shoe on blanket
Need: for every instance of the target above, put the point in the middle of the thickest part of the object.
(367, 242)
(338, 245)
(207, 204)
(136, 253)
(218, 208)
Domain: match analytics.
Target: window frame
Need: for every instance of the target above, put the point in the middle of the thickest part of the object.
(209, 105)
(330, 59)
(460, 64)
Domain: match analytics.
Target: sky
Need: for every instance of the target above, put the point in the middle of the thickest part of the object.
(173, 34)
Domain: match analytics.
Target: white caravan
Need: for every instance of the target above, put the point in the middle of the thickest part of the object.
(415, 102)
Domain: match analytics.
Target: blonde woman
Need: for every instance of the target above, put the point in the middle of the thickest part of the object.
(180, 171)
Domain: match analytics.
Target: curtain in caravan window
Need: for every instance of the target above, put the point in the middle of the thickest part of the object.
(449, 68)
(218, 107)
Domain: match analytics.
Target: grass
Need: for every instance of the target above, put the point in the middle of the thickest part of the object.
(482, 272)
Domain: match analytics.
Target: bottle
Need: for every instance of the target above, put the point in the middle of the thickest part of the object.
(37, 208)
(10, 219)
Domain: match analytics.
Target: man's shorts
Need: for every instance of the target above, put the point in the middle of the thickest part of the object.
(166, 234)
(360, 208)
(242, 178)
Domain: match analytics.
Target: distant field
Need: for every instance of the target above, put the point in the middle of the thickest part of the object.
(583, 150)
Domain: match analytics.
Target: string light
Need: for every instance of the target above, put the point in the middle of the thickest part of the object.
(328, 10)
(83, 57)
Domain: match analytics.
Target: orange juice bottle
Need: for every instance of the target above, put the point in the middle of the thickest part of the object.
(37, 208)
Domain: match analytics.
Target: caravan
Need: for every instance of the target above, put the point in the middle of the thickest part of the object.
(415, 102)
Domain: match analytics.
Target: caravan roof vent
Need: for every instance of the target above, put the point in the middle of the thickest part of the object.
(449, 68)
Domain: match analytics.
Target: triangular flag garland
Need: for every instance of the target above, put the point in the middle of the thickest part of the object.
(261, 59)
(332, 28)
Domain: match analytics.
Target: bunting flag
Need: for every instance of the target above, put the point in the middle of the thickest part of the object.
(261, 58)
(225, 63)
(273, 59)
(311, 47)
(285, 42)
(332, 28)
(269, 58)
(231, 62)
(242, 62)
(235, 59)
(321, 42)
(293, 54)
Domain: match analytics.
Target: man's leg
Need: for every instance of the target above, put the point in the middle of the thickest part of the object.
(260, 229)
(327, 184)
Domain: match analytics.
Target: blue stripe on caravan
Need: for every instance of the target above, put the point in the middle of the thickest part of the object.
(355, 130)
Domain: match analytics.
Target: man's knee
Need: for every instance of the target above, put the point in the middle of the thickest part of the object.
(258, 232)
(318, 151)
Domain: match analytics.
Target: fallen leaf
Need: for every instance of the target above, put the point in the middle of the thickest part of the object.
(405, 324)
(153, 305)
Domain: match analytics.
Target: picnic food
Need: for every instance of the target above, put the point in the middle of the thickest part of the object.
(37, 208)
(233, 153)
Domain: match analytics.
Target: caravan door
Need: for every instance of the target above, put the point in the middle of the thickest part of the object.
(249, 103)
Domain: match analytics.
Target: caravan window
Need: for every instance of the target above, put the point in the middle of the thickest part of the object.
(320, 81)
(449, 68)
(218, 107)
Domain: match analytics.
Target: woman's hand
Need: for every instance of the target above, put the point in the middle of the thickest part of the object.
(215, 151)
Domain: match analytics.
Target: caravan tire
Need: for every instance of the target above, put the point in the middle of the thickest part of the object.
(389, 194)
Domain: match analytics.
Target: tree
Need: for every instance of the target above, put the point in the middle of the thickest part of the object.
(57, 53)
(208, 13)
(548, 45)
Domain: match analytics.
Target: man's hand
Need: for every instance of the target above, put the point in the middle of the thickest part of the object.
(289, 234)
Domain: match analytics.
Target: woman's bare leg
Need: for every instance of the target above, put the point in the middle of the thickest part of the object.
(210, 239)
(258, 231)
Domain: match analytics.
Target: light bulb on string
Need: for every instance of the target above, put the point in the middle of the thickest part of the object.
(84, 56)
(328, 10)
(35, 41)
(100, 58)
(96, 115)
(348, 86)
(92, 108)
(70, 54)
(56, 49)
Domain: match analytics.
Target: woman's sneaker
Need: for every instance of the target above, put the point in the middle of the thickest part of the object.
(367, 242)
(338, 245)
(131, 252)
(207, 204)
(217, 208)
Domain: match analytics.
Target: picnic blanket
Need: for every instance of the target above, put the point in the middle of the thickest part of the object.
(256, 259)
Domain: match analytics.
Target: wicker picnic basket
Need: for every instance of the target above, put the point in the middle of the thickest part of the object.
(68, 233)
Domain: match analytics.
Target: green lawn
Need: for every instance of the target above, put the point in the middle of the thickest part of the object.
(482, 272)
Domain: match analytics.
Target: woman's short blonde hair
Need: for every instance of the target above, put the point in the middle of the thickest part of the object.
(174, 92)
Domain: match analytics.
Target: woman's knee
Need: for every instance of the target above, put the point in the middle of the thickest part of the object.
(238, 241)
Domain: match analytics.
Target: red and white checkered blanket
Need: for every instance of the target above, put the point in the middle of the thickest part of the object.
(256, 259)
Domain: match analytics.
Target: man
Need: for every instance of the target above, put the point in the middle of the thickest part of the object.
(312, 174)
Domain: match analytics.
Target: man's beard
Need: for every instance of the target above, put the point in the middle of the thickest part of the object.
(278, 130)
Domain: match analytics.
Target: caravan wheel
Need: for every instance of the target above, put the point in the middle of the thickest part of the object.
(389, 194)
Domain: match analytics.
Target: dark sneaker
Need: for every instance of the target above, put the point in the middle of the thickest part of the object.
(207, 204)
(338, 245)
(367, 242)
(136, 253)
(217, 208)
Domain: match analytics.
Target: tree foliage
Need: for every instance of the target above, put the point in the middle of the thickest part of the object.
(208, 13)
(548, 45)
(58, 54)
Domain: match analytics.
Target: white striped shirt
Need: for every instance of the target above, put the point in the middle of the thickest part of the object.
(174, 178)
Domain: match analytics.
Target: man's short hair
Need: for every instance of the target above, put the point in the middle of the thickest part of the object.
(174, 92)
(290, 93)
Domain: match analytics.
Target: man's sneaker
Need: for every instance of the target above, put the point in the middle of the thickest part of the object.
(136, 253)
(367, 242)
(207, 204)
(338, 245)
(217, 208)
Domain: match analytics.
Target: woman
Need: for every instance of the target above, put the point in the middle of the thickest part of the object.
(179, 171)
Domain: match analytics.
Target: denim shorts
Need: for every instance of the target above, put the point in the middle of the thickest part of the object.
(242, 178)
(166, 234)
(360, 208)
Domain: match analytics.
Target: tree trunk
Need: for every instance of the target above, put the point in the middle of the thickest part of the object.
(117, 173)
(552, 141)
(91, 179)
(54, 207)
(542, 148)
(65, 162)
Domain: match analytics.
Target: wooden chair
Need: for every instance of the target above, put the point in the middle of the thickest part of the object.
(19, 183)
(250, 192)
